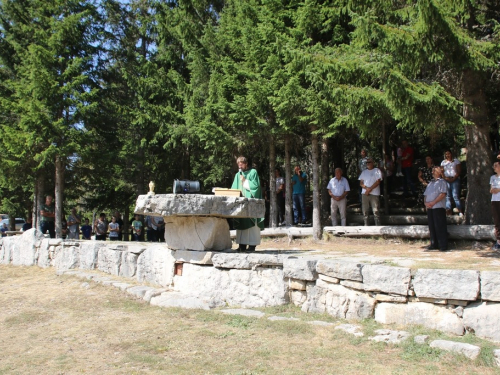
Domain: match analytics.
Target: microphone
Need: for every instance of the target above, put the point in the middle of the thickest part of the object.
(241, 172)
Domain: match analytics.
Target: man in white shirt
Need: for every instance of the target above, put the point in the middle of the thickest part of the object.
(369, 180)
(338, 188)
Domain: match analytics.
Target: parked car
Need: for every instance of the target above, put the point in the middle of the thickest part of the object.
(4, 216)
(19, 223)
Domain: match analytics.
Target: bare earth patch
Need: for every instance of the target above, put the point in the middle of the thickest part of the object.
(63, 325)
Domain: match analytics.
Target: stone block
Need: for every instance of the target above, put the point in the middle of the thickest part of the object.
(25, 249)
(447, 284)
(156, 265)
(352, 284)
(89, 251)
(261, 287)
(245, 261)
(483, 319)
(195, 257)
(390, 336)
(295, 284)
(180, 300)
(340, 269)
(386, 279)
(199, 205)
(300, 268)
(328, 279)
(431, 300)
(44, 256)
(388, 298)
(490, 286)
(338, 301)
(425, 314)
(458, 302)
(197, 233)
(117, 262)
(468, 350)
(66, 258)
(298, 297)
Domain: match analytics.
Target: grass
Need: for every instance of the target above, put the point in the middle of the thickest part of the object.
(52, 325)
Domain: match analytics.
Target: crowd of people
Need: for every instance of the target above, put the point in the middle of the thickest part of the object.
(102, 228)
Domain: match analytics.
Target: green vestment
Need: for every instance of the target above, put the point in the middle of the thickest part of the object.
(255, 192)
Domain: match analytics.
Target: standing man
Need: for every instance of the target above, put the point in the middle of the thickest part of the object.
(47, 213)
(435, 194)
(119, 221)
(338, 188)
(280, 196)
(406, 164)
(495, 202)
(369, 180)
(247, 229)
(73, 225)
(299, 195)
(361, 168)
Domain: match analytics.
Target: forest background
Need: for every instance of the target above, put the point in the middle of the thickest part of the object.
(97, 98)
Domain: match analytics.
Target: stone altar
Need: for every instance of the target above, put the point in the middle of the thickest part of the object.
(197, 221)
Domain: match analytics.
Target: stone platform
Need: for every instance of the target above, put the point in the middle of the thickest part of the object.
(449, 300)
(196, 221)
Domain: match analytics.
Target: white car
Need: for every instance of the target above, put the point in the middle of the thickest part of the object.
(19, 223)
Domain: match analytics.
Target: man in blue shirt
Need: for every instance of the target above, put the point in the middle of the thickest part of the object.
(299, 195)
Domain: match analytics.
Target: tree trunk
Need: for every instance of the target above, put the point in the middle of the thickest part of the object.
(479, 159)
(316, 219)
(325, 197)
(272, 185)
(59, 188)
(288, 183)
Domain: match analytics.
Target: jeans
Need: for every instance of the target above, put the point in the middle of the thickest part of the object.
(299, 200)
(48, 226)
(453, 191)
(408, 182)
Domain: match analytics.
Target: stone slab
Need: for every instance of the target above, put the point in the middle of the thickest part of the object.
(156, 265)
(199, 205)
(340, 269)
(180, 300)
(447, 284)
(338, 301)
(426, 314)
(490, 286)
(328, 279)
(468, 350)
(295, 284)
(386, 279)
(390, 336)
(246, 261)
(195, 257)
(352, 284)
(300, 268)
(483, 319)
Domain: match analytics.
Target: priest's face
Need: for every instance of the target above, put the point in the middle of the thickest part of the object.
(242, 165)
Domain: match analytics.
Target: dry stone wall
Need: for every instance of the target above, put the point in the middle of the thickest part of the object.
(453, 301)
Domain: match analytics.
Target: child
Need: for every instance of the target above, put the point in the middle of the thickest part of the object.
(136, 228)
(86, 230)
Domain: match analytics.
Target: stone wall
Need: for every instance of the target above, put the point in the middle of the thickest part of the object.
(453, 301)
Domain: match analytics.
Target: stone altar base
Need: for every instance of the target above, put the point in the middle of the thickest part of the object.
(197, 233)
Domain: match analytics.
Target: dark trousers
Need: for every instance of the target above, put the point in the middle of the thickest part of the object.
(48, 226)
(436, 218)
(408, 183)
(280, 200)
(495, 210)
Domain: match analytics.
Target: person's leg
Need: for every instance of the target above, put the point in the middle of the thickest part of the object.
(455, 192)
(52, 229)
(441, 228)
(343, 211)
(448, 196)
(375, 203)
(44, 227)
(296, 204)
(333, 206)
(365, 206)
(432, 229)
(302, 200)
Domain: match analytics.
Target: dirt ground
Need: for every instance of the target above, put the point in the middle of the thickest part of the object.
(398, 252)
(53, 324)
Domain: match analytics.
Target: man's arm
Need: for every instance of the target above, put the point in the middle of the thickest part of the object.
(439, 198)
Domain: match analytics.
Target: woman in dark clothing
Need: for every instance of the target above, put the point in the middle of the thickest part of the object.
(424, 176)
